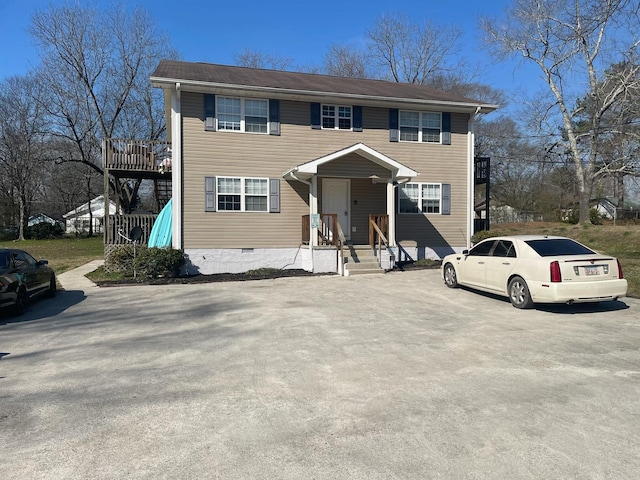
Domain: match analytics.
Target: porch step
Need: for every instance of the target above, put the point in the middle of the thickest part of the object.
(361, 260)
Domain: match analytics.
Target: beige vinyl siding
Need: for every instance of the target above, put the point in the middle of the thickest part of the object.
(266, 156)
(353, 166)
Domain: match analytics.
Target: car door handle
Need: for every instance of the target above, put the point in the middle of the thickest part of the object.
(480, 263)
(506, 263)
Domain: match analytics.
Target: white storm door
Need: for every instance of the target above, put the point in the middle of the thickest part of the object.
(335, 199)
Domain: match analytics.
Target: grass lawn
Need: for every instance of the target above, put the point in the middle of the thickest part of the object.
(63, 254)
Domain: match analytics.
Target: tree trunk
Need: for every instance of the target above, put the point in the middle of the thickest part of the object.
(21, 219)
(584, 206)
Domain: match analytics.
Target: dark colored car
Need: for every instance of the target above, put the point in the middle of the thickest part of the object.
(22, 278)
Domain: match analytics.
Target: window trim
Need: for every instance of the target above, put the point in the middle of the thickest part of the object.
(421, 198)
(336, 117)
(243, 194)
(243, 124)
(420, 126)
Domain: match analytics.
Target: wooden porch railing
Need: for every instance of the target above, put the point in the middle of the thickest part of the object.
(328, 230)
(140, 155)
(124, 224)
(378, 233)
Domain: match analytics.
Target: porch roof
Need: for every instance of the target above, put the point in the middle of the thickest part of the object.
(397, 170)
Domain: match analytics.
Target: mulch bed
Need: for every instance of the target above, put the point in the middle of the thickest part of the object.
(237, 277)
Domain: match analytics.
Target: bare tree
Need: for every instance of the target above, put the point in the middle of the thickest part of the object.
(406, 51)
(346, 61)
(570, 42)
(257, 59)
(97, 65)
(22, 142)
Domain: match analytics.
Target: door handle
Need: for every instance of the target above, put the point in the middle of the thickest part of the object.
(480, 263)
(506, 263)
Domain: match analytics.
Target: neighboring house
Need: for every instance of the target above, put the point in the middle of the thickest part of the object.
(270, 167)
(608, 208)
(77, 220)
(42, 218)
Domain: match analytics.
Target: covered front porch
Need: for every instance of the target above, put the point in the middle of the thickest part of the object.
(351, 198)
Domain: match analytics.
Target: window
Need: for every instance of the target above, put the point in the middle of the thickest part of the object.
(336, 117)
(420, 126)
(242, 115)
(242, 194)
(420, 198)
(482, 249)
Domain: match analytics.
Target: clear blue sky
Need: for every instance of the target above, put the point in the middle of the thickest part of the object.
(212, 31)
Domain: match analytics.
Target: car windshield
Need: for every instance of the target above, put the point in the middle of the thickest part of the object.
(553, 247)
(4, 260)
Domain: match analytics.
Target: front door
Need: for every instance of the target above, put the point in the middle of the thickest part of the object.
(335, 199)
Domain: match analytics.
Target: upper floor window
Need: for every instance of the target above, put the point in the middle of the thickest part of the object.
(420, 198)
(242, 115)
(420, 126)
(336, 117)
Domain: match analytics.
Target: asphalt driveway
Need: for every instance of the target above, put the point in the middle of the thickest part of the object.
(371, 377)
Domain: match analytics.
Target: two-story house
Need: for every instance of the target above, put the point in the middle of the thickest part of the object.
(279, 169)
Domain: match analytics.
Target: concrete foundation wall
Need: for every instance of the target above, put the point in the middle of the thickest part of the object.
(238, 260)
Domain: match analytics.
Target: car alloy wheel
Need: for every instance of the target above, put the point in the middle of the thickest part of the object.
(450, 278)
(21, 302)
(519, 293)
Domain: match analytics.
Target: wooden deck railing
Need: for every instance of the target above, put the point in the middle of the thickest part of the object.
(327, 230)
(379, 233)
(123, 224)
(140, 155)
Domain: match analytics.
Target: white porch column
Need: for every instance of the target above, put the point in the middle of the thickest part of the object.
(313, 208)
(176, 169)
(392, 214)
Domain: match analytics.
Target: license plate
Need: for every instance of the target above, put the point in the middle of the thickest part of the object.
(591, 271)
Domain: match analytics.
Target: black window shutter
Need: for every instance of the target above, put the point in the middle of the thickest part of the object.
(274, 195)
(446, 128)
(209, 194)
(210, 113)
(274, 117)
(446, 199)
(315, 116)
(357, 118)
(394, 135)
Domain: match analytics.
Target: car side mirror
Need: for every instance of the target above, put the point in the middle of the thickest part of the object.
(43, 262)
(465, 252)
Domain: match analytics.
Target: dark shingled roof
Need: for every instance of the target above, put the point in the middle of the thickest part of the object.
(289, 82)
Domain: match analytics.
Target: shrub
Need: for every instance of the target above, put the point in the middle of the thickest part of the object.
(155, 262)
(120, 259)
(482, 234)
(42, 231)
(595, 217)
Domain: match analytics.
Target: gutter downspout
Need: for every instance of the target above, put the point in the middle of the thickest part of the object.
(470, 175)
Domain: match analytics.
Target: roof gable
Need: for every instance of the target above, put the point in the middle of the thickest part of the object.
(308, 169)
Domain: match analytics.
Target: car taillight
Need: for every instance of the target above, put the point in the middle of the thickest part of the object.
(620, 275)
(554, 269)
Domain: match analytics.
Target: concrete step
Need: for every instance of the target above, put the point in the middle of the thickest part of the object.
(361, 260)
(365, 271)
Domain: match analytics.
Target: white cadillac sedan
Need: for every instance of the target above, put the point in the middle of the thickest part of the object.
(536, 269)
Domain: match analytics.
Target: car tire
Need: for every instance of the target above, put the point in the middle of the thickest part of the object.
(22, 302)
(53, 288)
(519, 294)
(450, 277)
